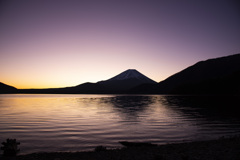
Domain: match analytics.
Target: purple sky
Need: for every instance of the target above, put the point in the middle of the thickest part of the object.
(58, 43)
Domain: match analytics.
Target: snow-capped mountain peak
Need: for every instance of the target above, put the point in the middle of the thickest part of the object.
(131, 74)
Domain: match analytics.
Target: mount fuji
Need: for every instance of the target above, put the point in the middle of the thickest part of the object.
(117, 84)
(126, 80)
(132, 74)
(120, 83)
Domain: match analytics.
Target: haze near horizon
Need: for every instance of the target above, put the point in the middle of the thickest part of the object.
(48, 44)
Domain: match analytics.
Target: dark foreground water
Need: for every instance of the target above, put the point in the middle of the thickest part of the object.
(45, 123)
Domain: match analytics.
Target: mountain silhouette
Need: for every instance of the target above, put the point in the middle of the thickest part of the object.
(120, 83)
(213, 76)
(117, 84)
(126, 80)
(7, 89)
(131, 74)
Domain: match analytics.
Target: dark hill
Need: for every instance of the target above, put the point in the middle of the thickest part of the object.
(213, 76)
(7, 89)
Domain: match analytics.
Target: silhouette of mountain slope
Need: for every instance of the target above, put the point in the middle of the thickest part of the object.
(118, 84)
(213, 76)
(7, 89)
(131, 74)
(126, 80)
(122, 82)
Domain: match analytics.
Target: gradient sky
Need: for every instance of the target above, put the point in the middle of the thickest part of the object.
(59, 43)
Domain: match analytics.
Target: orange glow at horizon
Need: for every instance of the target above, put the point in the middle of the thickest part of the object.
(58, 81)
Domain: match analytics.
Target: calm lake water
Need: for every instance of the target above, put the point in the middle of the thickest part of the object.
(45, 123)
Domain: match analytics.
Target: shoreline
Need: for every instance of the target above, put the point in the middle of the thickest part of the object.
(220, 149)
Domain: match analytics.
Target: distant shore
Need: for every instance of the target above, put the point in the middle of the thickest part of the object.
(220, 149)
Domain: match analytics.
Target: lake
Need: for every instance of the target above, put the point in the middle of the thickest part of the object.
(51, 122)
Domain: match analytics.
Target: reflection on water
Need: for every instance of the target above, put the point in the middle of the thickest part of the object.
(81, 122)
(129, 107)
(210, 107)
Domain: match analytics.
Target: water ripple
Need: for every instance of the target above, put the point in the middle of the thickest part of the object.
(82, 122)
